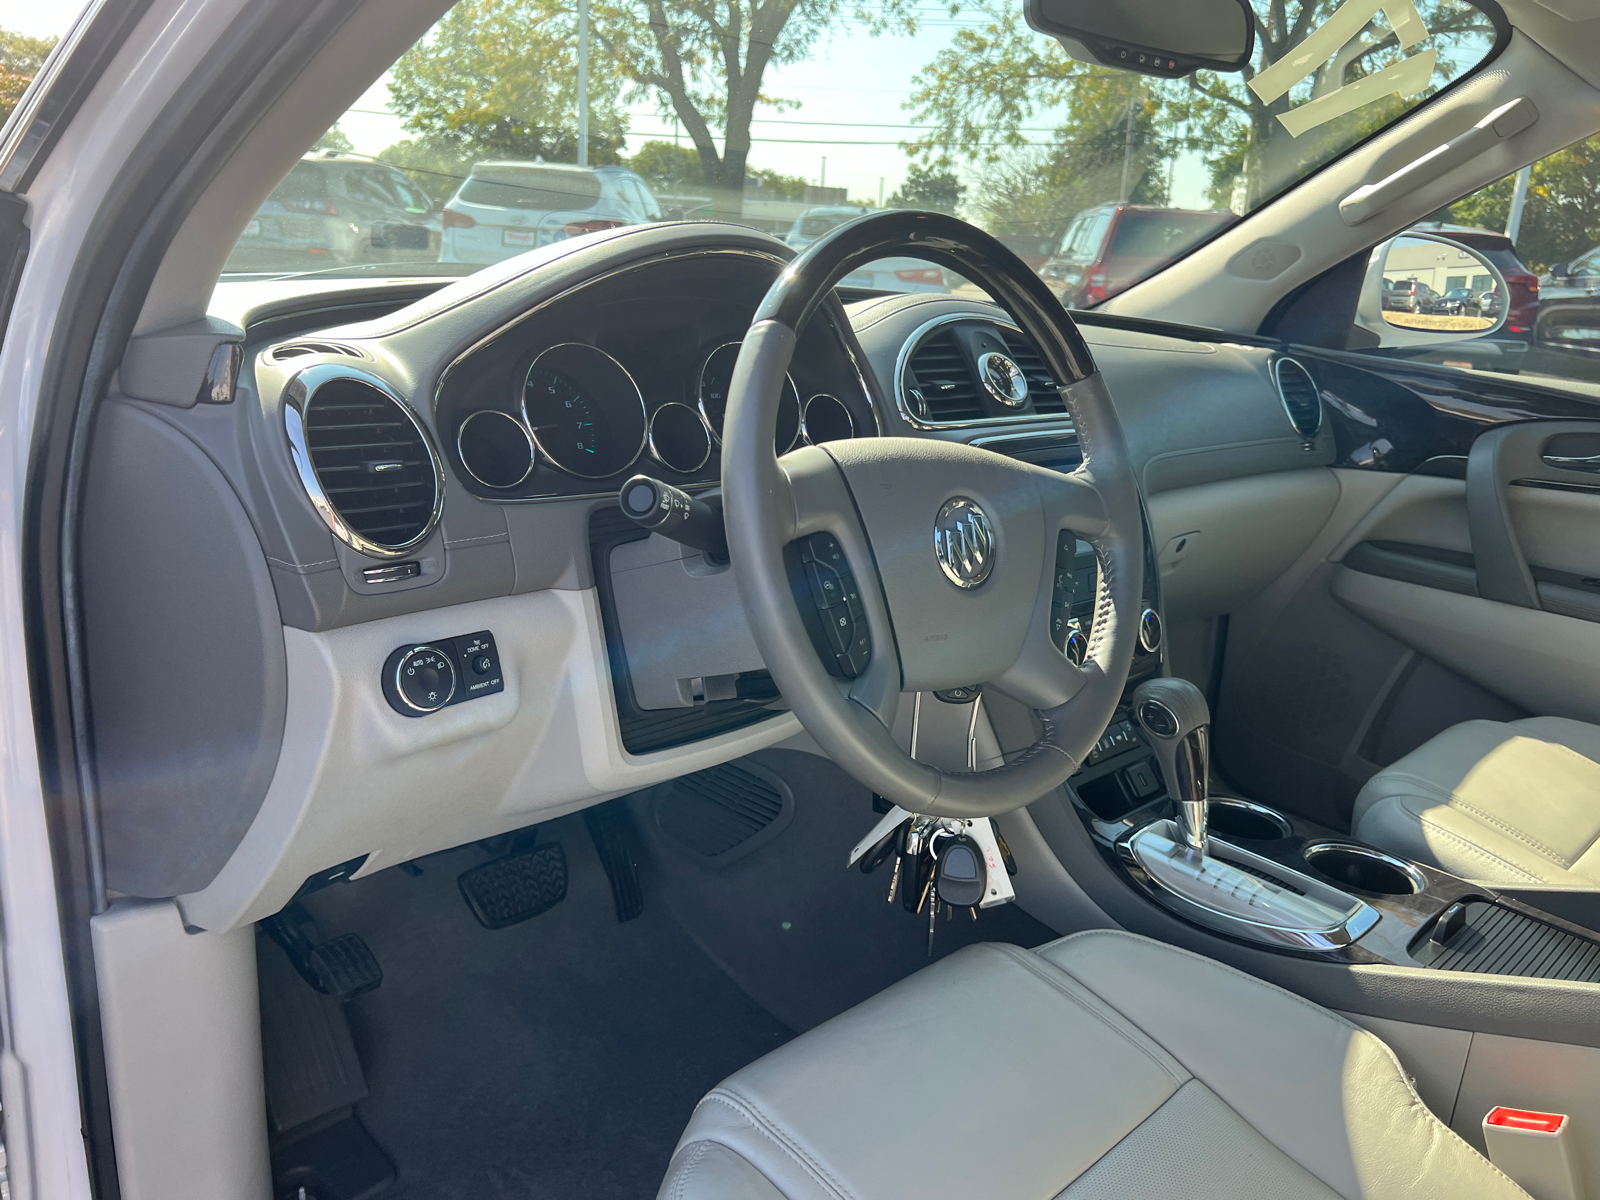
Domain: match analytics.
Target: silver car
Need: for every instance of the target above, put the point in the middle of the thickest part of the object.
(506, 208)
(883, 274)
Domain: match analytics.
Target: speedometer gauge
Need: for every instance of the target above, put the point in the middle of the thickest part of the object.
(716, 378)
(584, 410)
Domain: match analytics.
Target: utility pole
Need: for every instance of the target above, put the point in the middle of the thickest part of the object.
(880, 191)
(583, 83)
(1519, 197)
(823, 181)
(1127, 154)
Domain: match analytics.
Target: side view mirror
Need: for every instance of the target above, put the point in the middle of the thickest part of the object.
(1170, 38)
(1561, 271)
(1425, 289)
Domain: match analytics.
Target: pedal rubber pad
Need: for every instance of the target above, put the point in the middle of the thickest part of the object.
(507, 890)
(345, 966)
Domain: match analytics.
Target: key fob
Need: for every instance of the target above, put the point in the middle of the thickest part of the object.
(961, 873)
(883, 851)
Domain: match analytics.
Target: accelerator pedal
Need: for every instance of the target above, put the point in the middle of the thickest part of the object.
(611, 832)
(519, 885)
(341, 967)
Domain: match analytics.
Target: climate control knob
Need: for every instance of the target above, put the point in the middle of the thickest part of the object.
(1149, 631)
(425, 678)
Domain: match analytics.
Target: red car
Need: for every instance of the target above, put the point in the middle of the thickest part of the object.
(1111, 247)
(1499, 250)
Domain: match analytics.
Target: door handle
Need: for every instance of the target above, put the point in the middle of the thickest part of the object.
(1574, 462)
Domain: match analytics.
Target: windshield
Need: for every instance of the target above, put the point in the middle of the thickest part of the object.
(472, 148)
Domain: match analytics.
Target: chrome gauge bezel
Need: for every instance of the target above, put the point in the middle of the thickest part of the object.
(805, 414)
(638, 396)
(650, 437)
(298, 395)
(521, 426)
(711, 426)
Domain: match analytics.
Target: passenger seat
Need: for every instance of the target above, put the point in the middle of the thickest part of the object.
(1509, 804)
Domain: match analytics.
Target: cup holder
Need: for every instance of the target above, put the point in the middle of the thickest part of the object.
(1365, 869)
(1228, 817)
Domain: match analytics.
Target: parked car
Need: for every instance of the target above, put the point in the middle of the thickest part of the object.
(334, 209)
(1110, 247)
(1580, 277)
(1499, 250)
(1457, 302)
(1409, 296)
(506, 208)
(1490, 304)
(881, 275)
(1029, 247)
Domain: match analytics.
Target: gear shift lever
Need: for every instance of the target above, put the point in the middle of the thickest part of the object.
(1174, 715)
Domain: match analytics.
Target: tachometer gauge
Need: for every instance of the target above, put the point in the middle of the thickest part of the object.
(716, 377)
(584, 410)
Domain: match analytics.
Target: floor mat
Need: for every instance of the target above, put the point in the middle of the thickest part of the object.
(559, 1057)
(803, 935)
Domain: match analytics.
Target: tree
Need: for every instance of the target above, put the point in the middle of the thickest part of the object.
(705, 60)
(20, 60)
(929, 187)
(995, 79)
(1561, 218)
(498, 79)
(334, 140)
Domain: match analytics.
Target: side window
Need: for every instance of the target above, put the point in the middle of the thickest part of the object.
(1539, 229)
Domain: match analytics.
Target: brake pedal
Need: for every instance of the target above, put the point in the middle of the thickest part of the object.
(342, 967)
(508, 890)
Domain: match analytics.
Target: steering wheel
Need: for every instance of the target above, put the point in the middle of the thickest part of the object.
(953, 547)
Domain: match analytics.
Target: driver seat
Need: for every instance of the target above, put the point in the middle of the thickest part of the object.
(1098, 1067)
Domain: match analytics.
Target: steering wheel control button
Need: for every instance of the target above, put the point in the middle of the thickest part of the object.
(963, 542)
(422, 679)
(1150, 631)
(835, 617)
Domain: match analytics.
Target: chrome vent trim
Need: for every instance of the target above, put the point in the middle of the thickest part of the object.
(367, 463)
(1301, 398)
(303, 349)
(1039, 382)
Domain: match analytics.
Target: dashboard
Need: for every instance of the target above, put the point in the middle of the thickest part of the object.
(395, 538)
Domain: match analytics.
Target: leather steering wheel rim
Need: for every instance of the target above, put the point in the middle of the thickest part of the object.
(880, 497)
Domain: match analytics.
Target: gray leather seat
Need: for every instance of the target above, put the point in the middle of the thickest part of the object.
(1507, 804)
(1102, 1065)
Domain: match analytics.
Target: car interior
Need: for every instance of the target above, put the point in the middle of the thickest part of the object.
(644, 718)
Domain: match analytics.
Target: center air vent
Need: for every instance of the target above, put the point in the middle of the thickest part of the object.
(1041, 384)
(365, 460)
(1301, 399)
(939, 382)
(302, 349)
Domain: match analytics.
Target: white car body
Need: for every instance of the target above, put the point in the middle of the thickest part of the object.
(507, 208)
(883, 274)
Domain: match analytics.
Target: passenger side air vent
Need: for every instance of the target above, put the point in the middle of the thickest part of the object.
(1300, 396)
(365, 460)
(939, 383)
(301, 349)
(1041, 384)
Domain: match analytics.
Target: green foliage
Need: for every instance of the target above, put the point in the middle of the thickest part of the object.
(929, 187)
(334, 140)
(497, 79)
(20, 60)
(670, 169)
(1561, 217)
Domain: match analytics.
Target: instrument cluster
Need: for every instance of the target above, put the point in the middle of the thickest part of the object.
(574, 399)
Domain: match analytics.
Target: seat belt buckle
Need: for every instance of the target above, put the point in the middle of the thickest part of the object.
(1534, 1149)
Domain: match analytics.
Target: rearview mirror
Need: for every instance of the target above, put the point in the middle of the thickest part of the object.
(1424, 289)
(1156, 37)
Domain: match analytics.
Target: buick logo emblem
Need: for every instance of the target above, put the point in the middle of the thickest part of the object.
(1003, 379)
(963, 542)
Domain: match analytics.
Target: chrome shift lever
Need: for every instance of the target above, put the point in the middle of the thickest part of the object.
(1174, 715)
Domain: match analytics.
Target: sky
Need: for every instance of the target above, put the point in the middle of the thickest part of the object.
(847, 108)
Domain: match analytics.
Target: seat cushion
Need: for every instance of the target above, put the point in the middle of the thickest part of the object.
(1102, 1065)
(1496, 803)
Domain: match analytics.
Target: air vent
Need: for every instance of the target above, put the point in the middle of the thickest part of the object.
(302, 349)
(1041, 384)
(940, 385)
(1301, 399)
(365, 460)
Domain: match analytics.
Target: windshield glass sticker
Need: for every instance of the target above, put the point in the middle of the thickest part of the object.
(1335, 39)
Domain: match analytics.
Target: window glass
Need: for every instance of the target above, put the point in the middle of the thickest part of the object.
(1541, 229)
(796, 119)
